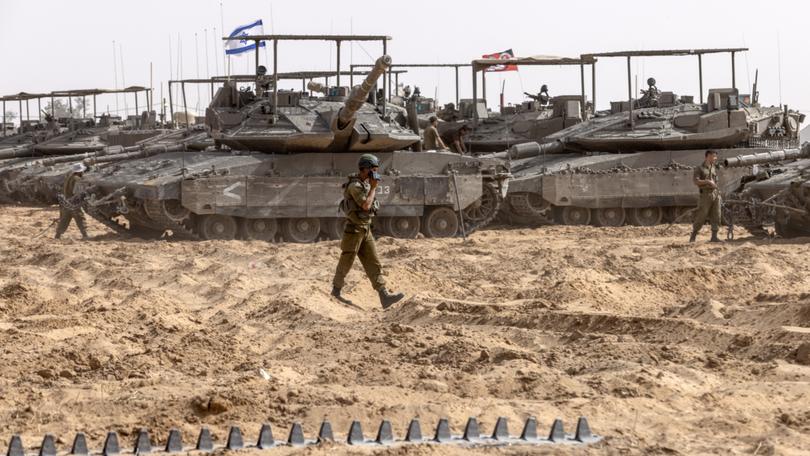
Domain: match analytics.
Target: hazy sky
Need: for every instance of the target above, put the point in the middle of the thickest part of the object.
(50, 45)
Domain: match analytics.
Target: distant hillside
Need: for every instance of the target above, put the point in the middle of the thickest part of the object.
(804, 135)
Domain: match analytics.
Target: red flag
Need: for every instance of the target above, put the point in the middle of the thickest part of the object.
(507, 54)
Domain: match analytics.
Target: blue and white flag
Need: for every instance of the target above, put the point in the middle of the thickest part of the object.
(237, 46)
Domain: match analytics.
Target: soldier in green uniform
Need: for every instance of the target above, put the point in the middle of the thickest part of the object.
(359, 205)
(69, 208)
(709, 205)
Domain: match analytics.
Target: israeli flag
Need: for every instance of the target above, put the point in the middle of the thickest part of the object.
(237, 46)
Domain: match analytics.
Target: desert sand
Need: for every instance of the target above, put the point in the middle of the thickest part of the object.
(666, 347)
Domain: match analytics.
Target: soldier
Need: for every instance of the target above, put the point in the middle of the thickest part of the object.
(709, 205)
(69, 205)
(360, 205)
(455, 139)
(263, 82)
(543, 97)
(432, 140)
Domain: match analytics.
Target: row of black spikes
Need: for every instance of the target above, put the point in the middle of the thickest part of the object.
(385, 435)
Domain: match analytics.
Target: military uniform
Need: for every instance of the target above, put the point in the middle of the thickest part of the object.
(358, 240)
(432, 139)
(69, 209)
(709, 205)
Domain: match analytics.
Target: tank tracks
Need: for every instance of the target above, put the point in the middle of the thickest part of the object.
(443, 436)
(494, 193)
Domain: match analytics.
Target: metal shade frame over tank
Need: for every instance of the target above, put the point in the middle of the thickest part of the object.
(456, 66)
(482, 64)
(663, 53)
(23, 96)
(303, 76)
(338, 39)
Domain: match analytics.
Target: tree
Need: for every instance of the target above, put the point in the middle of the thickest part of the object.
(60, 109)
(80, 107)
(10, 116)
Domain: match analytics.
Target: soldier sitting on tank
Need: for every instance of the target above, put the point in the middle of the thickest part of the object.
(360, 205)
(709, 204)
(70, 203)
(432, 139)
(455, 139)
(264, 82)
(543, 97)
(649, 97)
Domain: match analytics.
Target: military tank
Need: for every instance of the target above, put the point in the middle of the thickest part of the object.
(776, 193)
(531, 120)
(608, 172)
(277, 173)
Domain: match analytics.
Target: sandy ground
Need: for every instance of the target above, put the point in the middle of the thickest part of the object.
(667, 348)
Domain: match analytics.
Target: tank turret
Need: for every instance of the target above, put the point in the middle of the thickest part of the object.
(292, 122)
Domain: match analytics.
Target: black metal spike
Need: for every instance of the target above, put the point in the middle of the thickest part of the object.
(557, 433)
(15, 446)
(529, 429)
(235, 441)
(79, 447)
(442, 431)
(266, 439)
(143, 444)
(583, 430)
(204, 440)
(111, 445)
(471, 431)
(414, 433)
(48, 447)
(325, 432)
(174, 444)
(386, 433)
(296, 435)
(355, 434)
(501, 431)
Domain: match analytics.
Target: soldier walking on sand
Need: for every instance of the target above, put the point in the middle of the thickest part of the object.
(69, 208)
(709, 205)
(360, 205)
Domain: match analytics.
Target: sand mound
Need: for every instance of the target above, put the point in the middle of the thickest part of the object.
(668, 348)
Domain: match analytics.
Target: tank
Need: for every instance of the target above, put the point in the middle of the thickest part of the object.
(776, 193)
(635, 167)
(278, 168)
(35, 173)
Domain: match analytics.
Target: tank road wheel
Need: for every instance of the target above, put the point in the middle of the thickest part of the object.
(440, 221)
(646, 216)
(484, 208)
(217, 226)
(572, 215)
(610, 216)
(259, 229)
(333, 227)
(402, 227)
(301, 230)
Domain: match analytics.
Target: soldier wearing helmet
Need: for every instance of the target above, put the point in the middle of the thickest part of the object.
(360, 205)
(70, 204)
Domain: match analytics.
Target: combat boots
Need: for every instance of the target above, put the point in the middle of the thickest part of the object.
(693, 236)
(714, 237)
(387, 300)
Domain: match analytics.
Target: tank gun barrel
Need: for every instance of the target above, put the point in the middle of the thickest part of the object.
(766, 157)
(360, 92)
(14, 152)
(530, 149)
(145, 152)
(317, 87)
